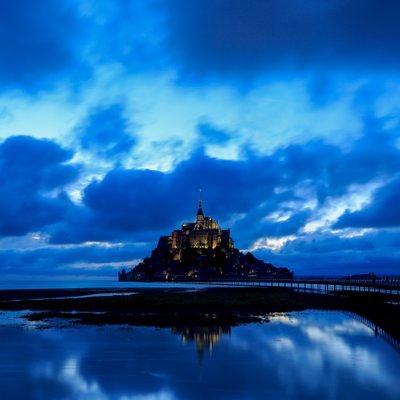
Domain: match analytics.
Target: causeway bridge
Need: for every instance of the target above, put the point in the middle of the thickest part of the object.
(388, 286)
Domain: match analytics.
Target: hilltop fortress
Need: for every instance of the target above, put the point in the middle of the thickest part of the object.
(200, 250)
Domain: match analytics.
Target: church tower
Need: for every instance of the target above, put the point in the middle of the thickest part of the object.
(200, 213)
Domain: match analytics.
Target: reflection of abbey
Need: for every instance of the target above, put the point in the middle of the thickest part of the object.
(200, 250)
(205, 337)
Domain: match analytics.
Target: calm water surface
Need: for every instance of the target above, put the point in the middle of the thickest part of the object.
(90, 284)
(305, 355)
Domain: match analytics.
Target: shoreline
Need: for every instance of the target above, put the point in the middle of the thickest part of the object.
(177, 307)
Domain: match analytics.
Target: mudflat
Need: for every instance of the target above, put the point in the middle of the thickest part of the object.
(182, 307)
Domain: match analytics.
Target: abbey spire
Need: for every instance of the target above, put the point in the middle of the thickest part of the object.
(200, 210)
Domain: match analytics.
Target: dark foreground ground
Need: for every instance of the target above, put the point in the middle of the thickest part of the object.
(180, 307)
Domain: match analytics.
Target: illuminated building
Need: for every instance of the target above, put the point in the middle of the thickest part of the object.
(200, 250)
(202, 234)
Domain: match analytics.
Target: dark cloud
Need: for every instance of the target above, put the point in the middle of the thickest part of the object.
(383, 211)
(331, 170)
(258, 196)
(328, 254)
(29, 170)
(58, 260)
(328, 243)
(105, 133)
(43, 42)
(148, 199)
(284, 228)
(211, 135)
(38, 41)
(128, 203)
(223, 37)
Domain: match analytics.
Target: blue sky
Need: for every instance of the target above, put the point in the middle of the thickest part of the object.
(114, 113)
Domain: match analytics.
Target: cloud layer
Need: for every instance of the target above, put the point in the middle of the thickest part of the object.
(114, 114)
(310, 209)
(247, 37)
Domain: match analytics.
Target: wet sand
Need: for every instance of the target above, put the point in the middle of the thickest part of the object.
(183, 307)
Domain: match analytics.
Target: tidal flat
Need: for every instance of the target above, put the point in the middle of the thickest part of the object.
(190, 307)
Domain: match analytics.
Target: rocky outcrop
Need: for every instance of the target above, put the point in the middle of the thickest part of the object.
(200, 250)
(200, 264)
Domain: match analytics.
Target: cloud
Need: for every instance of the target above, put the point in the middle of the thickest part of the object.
(333, 169)
(258, 197)
(127, 202)
(382, 212)
(210, 135)
(339, 252)
(87, 259)
(285, 113)
(39, 42)
(223, 38)
(329, 243)
(125, 33)
(105, 133)
(33, 173)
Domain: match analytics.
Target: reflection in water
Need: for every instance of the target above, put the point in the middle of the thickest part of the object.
(205, 337)
(305, 355)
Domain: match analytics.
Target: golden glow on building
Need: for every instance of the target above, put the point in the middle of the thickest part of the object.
(205, 233)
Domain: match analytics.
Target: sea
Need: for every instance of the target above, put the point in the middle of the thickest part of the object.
(312, 354)
(297, 355)
(90, 284)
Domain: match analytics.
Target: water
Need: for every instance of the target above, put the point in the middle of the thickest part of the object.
(304, 355)
(92, 284)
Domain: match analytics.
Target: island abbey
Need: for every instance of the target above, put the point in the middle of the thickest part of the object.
(202, 234)
(200, 250)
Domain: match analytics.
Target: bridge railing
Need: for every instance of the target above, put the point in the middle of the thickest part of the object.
(393, 281)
